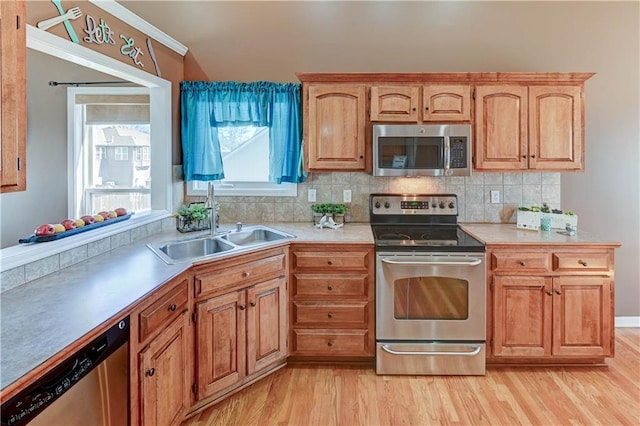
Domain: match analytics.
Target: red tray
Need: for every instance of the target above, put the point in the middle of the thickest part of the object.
(45, 238)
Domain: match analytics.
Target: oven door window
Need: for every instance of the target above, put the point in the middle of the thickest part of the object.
(411, 152)
(431, 298)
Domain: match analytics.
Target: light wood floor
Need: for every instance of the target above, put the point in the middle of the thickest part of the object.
(347, 396)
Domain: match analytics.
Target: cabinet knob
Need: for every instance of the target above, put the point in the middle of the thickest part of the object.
(582, 262)
(413, 109)
(151, 372)
(558, 291)
(524, 156)
(329, 343)
(246, 274)
(172, 307)
(329, 288)
(549, 292)
(330, 315)
(253, 303)
(523, 263)
(426, 108)
(362, 156)
(243, 307)
(330, 262)
(533, 156)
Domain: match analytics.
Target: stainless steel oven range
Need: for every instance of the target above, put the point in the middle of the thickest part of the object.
(430, 287)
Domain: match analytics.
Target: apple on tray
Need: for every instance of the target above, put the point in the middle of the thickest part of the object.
(59, 228)
(121, 211)
(69, 224)
(105, 215)
(45, 230)
(88, 220)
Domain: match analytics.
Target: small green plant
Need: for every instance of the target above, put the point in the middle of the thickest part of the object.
(194, 212)
(329, 208)
(339, 208)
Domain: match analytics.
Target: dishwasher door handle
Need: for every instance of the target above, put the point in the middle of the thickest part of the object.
(473, 352)
(427, 262)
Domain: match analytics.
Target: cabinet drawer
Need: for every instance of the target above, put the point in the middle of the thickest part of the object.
(331, 342)
(243, 274)
(507, 261)
(330, 261)
(581, 261)
(163, 311)
(329, 285)
(330, 314)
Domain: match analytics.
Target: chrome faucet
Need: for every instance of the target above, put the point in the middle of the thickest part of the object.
(210, 205)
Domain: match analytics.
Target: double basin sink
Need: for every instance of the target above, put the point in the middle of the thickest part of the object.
(211, 246)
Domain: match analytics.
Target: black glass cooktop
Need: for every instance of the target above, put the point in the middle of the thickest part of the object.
(424, 238)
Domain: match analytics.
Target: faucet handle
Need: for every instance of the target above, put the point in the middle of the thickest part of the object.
(238, 226)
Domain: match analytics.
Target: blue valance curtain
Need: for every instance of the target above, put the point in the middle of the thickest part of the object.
(205, 106)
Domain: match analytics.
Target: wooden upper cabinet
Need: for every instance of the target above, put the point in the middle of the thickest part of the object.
(395, 103)
(13, 94)
(446, 102)
(556, 128)
(529, 128)
(335, 127)
(439, 103)
(501, 128)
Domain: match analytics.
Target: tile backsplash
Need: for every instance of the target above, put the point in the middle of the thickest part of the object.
(474, 201)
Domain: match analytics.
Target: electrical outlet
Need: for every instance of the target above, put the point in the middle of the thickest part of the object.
(495, 197)
(311, 195)
(346, 195)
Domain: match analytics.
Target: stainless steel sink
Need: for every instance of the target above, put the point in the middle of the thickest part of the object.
(177, 251)
(258, 235)
(210, 246)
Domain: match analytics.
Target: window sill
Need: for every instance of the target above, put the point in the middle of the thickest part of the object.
(19, 255)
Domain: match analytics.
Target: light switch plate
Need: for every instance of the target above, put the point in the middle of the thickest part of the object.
(311, 195)
(346, 195)
(495, 197)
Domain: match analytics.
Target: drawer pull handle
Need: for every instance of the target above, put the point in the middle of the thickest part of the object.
(523, 263)
(253, 303)
(330, 315)
(582, 262)
(329, 343)
(558, 291)
(151, 372)
(243, 307)
(172, 307)
(246, 274)
(329, 288)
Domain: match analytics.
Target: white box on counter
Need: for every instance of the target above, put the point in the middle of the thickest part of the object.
(531, 220)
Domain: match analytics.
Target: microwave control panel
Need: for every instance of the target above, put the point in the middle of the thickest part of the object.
(458, 148)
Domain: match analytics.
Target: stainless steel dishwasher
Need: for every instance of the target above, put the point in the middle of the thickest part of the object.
(91, 387)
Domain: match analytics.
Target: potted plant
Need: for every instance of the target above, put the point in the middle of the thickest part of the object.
(338, 210)
(319, 210)
(192, 218)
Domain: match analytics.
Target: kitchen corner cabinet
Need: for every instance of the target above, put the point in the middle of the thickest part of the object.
(519, 127)
(332, 302)
(13, 96)
(429, 103)
(162, 368)
(241, 320)
(334, 128)
(552, 304)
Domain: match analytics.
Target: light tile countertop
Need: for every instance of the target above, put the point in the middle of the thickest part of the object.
(491, 233)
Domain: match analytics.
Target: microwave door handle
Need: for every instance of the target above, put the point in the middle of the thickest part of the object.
(447, 156)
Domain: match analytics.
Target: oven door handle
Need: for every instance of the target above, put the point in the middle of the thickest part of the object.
(474, 352)
(427, 262)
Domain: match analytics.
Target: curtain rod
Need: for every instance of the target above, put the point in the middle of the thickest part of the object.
(79, 83)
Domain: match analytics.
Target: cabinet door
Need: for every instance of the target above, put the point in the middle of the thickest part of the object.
(335, 137)
(266, 324)
(522, 316)
(13, 95)
(501, 128)
(220, 342)
(165, 381)
(395, 103)
(582, 316)
(555, 128)
(446, 103)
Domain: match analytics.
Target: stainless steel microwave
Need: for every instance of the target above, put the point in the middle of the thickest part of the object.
(422, 150)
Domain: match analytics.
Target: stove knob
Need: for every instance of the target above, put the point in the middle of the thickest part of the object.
(377, 204)
(386, 205)
(434, 205)
(451, 205)
(441, 205)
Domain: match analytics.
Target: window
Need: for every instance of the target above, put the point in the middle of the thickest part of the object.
(245, 157)
(113, 142)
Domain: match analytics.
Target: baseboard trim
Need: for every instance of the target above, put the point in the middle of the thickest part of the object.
(627, 322)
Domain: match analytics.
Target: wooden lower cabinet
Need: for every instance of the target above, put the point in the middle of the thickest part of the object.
(161, 356)
(241, 324)
(558, 310)
(331, 302)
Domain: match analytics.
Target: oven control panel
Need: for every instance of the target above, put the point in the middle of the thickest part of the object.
(414, 204)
